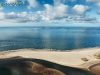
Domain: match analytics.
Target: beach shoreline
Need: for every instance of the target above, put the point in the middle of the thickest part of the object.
(80, 49)
(65, 57)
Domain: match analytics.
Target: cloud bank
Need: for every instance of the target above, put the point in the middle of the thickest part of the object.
(54, 12)
(58, 12)
(96, 2)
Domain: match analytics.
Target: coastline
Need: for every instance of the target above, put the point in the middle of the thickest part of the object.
(65, 57)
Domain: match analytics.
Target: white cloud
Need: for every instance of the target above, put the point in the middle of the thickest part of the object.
(2, 15)
(98, 12)
(32, 4)
(81, 19)
(54, 12)
(81, 9)
(19, 17)
(63, 1)
(8, 1)
(96, 2)
(57, 13)
(24, 17)
(56, 2)
(84, 19)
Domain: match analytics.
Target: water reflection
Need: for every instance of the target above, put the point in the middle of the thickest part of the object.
(60, 38)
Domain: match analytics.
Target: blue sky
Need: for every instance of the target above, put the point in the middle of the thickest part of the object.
(50, 13)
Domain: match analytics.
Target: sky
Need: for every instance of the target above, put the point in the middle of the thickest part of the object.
(50, 13)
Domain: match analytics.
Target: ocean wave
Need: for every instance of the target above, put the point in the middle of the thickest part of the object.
(6, 45)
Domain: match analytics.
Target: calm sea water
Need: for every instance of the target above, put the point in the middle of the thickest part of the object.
(59, 38)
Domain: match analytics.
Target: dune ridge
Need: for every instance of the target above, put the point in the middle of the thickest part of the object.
(38, 66)
(70, 61)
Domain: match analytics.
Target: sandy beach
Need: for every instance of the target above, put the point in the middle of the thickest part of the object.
(84, 59)
(66, 57)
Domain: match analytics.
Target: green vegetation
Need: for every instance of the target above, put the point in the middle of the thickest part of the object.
(97, 55)
(84, 59)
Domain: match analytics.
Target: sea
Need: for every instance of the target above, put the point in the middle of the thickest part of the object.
(45, 37)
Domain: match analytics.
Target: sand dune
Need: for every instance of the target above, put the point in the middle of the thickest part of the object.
(30, 66)
(59, 62)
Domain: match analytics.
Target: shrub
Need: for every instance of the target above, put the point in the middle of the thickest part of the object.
(84, 59)
(97, 55)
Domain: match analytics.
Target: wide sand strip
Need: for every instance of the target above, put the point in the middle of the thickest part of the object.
(61, 57)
